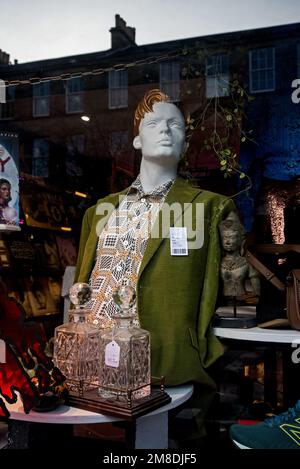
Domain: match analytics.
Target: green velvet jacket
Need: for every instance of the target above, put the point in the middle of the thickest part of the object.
(176, 295)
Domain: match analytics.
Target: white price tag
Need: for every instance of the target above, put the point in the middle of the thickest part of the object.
(178, 241)
(2, 351)
(112, 354)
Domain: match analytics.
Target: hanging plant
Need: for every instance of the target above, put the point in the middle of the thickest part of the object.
(219, 118)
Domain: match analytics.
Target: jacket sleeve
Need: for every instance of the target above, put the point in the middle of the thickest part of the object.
(85, 231)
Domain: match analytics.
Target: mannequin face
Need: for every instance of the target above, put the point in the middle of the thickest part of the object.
(162, 134)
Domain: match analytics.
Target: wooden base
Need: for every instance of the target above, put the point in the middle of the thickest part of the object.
(92, 402)
(243, 322)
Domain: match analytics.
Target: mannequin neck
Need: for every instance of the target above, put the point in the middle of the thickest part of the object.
(153, 174)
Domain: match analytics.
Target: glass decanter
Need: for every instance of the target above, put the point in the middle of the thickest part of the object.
(125, 372)
(76, 344)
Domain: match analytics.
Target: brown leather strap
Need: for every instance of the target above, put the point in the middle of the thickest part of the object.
(277, 248)
(262, 269)
(293, 298)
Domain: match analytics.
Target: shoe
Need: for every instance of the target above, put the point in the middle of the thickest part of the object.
(279, 432)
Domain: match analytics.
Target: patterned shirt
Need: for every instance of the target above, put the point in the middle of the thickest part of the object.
(121, 247)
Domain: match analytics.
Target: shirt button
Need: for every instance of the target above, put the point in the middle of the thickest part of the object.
(118, 268)
(125, 243)
(143, 199)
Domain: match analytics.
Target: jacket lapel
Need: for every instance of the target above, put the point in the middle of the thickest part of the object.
(181, 193)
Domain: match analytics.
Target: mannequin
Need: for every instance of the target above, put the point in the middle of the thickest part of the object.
(176, 294)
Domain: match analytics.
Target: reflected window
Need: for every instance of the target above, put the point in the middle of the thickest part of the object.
(217, 76)
(41, 99)
(262, 70)
(74, 95)
(7, 109)
(40, 157)
(117, 89)
(169, 79)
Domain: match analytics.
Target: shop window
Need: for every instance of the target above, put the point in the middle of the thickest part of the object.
(41, 99)
(74, 95)
(169, 79)
(117, 89)
(7, 109)
(40, 157)
(217, 76)
(262, 70)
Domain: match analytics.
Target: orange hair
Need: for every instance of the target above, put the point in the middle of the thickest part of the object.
(146, 105)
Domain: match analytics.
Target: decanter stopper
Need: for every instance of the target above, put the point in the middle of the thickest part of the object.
(125, 298)
(80, 294)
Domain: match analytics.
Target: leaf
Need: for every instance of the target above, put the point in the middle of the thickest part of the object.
(242, 175)
(223, 162)
(243, 139)
(228, 117)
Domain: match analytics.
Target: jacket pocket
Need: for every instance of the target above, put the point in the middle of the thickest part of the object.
(194, 338)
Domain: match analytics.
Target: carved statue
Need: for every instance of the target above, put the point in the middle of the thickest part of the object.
(234, 269)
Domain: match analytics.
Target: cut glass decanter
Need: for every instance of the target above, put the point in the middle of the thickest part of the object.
(76, 344)
(124, 354)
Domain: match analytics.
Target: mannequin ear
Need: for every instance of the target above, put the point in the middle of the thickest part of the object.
(137, 143)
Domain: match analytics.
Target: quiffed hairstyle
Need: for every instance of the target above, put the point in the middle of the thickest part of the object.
(146, 105)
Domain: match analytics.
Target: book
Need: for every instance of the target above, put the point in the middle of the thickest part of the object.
(37, 297)
(4, 255)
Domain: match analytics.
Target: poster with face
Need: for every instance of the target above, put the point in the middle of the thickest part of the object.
(9, 182)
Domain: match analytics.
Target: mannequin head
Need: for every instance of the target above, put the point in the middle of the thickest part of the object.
(160, 129)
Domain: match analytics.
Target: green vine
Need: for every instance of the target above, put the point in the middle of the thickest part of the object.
(219, 118)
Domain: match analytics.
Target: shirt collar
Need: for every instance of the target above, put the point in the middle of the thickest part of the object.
(159, 191)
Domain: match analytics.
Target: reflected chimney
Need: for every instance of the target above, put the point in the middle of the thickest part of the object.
(121, 34)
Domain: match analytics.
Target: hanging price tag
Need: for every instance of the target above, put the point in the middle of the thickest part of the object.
(2, 352)
(178, 241)
(112, 354)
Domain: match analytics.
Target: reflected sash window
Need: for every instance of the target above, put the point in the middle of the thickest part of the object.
(40, 157)
(262, 70)
(41, 99)
(169, 79)
(117, 89)
(74, 95)
(217, 76)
